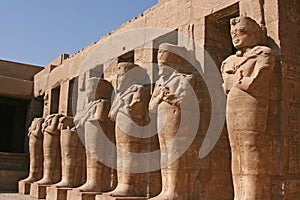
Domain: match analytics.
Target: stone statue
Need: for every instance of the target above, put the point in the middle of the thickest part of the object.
(171, 98)
(131, 101)
(46, 104)
(35, 151)
(96, 117)
(247, 78)
(71, 154)
(51, 148)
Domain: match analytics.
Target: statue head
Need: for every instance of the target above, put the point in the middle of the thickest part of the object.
(36, 127)
(245, 32)
(167, 57)
(126, 75)
(46, 104)
(66, 122)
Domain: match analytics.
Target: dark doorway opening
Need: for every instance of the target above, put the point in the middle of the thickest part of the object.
(217, 33)
(171, 38)
(12, 123)
(72, 98)
(127, 57)
(54, 105)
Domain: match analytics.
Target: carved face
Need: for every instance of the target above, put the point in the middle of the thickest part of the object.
(125, 78)
(242, 37)
(245, 33)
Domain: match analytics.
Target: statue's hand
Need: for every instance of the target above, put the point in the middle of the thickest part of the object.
(156, 99)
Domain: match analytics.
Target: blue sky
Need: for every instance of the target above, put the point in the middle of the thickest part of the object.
(37, 31)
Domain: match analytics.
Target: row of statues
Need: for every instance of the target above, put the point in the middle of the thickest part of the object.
(54, 142)
(58, 156)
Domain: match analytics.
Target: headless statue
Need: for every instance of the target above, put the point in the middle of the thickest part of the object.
(96, 118)
(51, 150)
(35, 151)
(71, 154)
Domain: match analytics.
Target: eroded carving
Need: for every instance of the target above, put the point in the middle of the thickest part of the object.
(131, 101)
(96, 120)
(35, 151)
(173, 95)
(247, 78)
(51, 148)
(71, 154)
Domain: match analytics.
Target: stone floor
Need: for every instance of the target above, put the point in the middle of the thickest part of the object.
(14, 196)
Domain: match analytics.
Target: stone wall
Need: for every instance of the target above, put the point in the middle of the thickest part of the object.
(289, 36)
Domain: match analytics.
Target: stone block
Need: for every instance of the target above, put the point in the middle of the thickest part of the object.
(108, 197)
(18, 88)
(54, 193)
(9, 180)
(24, 187)
(13, 69)
(38, 191)
(78, 195)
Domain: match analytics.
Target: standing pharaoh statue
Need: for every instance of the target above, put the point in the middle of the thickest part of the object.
(173, 99)
(129, 109)
(51, 150)
(95, 119)
(71, 154)
(247, 80)
(35, 151)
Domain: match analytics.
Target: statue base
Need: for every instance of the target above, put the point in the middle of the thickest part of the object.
(108, 197)
(55, 193)
(24, 187)
(78, 195)
(38, 191)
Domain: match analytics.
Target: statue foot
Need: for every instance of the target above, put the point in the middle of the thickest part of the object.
(166, 195)
(44, 182)
(89, 187)
(30, 179)
(64, 184)
(123, 190)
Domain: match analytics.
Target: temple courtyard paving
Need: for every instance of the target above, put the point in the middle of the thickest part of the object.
(14, 196)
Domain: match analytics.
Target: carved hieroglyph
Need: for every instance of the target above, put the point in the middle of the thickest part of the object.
(71, 154)
(171, 98)
(131, 101)
(96, 118)
(35, 151)
(247, 78)
(51, 148)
